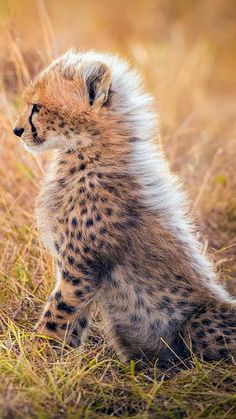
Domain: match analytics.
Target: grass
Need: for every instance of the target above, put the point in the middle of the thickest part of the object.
(185, 52)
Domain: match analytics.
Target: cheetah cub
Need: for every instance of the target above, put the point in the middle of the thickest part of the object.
(116, 221)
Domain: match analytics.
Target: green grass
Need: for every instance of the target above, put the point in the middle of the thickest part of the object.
(93, 383)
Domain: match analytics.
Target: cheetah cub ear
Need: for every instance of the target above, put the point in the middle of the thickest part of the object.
(97, 78)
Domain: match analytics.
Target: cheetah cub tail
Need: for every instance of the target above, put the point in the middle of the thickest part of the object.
(212, 332)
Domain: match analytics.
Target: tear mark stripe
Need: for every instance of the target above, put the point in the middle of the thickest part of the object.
(33, 128)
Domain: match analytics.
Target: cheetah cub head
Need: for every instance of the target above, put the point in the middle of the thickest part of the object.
(64, 103)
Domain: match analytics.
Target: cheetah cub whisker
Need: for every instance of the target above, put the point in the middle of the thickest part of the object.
(116, 220)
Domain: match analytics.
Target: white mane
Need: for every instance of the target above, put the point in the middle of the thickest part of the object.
(161, 190)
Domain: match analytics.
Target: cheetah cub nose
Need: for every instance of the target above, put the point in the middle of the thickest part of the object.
(18, 131)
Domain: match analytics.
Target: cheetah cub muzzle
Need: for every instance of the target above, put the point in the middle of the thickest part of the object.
(116, 221)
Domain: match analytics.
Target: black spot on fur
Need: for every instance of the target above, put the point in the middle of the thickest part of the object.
(155, 324)
(161, 306)
(134, 318)
(73, 170)
(75, 281)
(74, 222)
(224, 353)
(179, 278)
(83, 322)
(57, 247)
(88, 288)
(200, 334)
(220, 340)
(51, 326)
(206, 322)
(108, 212)
(62, 182)
(103, 230)
(65, 274)
(204, 344)
(82, 166)
(222, 324)
(83, 211)
(183, 303)
(110, 189)
(71, 260)
(78, 293)
(70, 246)
(75, 333)
(70, 278)
(65, 326)
(63, 306)
(79, 235)
(92, 237)
(211, 330)
(166, 300)
(140, 302)
(224, 309)
(174, 290)
(95, 198)
(98, 217)
(185, 294)
(82, 202)
(48, 314)
(227, 332)
(89, 222)
(86, 249)
(57, 296)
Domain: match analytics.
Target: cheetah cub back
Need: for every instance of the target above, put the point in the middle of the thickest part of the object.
(116, 220)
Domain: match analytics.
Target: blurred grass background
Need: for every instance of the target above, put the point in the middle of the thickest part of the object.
(186, 52)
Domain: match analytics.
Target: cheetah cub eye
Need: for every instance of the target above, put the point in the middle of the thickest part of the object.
(37, 107)
(62, 104)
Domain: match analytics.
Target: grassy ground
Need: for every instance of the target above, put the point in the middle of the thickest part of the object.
(185, 51)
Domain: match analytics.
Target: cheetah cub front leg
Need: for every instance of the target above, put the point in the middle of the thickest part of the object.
(66, 314)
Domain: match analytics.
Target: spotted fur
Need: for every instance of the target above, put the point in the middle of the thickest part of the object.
(116, 220)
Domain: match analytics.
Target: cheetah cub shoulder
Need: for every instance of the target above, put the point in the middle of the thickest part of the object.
(116, 221)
